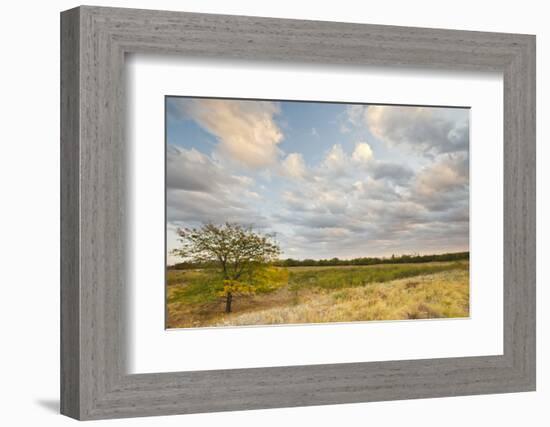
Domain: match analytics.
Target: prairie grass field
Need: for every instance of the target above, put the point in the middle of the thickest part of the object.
(323, 294)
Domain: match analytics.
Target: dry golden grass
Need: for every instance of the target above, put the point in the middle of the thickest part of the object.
(182, 315)
(439, 295)
(443, 294)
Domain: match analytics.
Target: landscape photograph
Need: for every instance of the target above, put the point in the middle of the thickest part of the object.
(304, 212)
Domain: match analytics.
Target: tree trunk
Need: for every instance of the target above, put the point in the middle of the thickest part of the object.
(228, 302)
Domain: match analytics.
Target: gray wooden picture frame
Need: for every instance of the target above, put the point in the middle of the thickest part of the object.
(94, 41)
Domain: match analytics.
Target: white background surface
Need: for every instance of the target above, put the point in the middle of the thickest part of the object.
(29, 243)
(153, 349)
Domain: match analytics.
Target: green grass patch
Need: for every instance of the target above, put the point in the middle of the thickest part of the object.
(195, 286)
(207, 285)
(204, 286)
(339, 278)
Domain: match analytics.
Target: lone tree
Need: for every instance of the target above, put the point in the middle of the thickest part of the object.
(240, 254)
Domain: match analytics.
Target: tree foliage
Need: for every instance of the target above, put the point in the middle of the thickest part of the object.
(241, 256)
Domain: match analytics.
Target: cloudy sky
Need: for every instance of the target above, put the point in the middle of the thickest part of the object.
(331, 180)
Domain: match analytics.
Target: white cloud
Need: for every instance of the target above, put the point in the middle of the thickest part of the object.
(424, 129)
(362, 153)
(192, 208)
(333, 201)
(372, 189)
(448, 174)
(356, 114)
(397, 173)
(296, 201)
(294, 166)
(335, 161)
(194, 171)
(246, 130)
(200, 189)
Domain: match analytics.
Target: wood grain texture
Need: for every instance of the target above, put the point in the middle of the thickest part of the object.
(94, 197)
(70, 314)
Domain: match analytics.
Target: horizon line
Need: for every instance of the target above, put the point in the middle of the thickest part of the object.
(355, 258)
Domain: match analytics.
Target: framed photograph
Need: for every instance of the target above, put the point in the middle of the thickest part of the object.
(269, 221)
(262, 213)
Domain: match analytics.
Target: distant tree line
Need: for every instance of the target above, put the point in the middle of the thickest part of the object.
(401, 259)
(289, 262)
